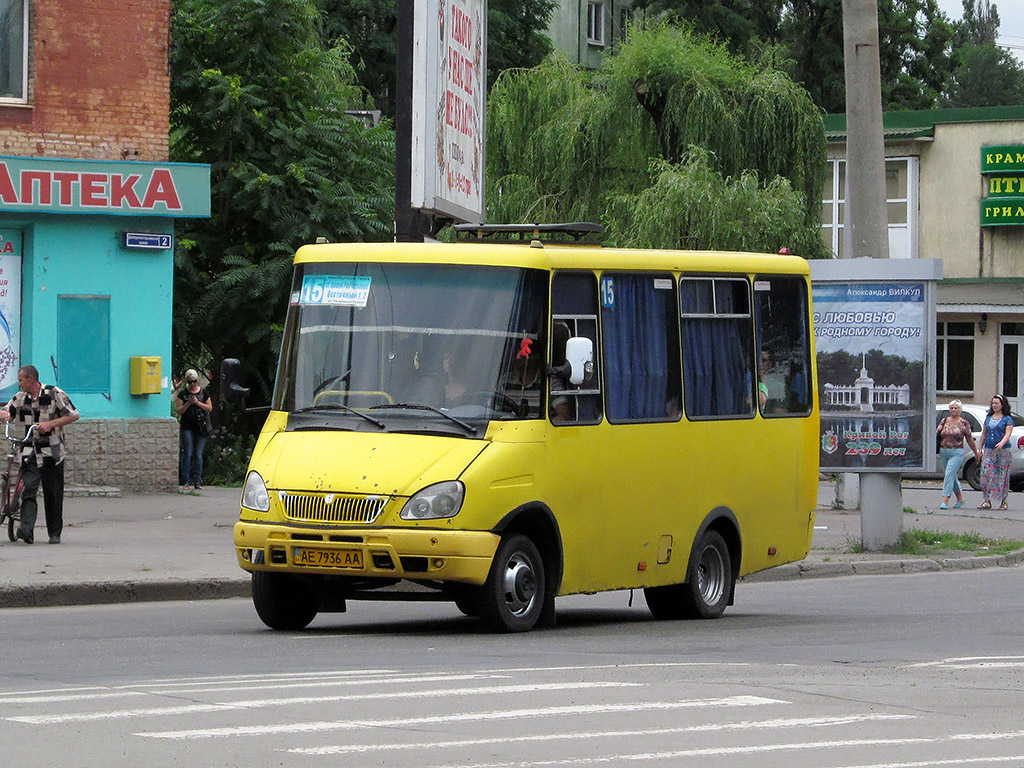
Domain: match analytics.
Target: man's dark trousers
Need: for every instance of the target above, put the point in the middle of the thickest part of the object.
(52, 477)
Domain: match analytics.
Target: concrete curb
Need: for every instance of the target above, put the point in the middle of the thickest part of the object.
(109, 592)
(808, 570)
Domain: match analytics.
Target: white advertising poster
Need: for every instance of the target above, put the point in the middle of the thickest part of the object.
(10, 311)
(448, 107)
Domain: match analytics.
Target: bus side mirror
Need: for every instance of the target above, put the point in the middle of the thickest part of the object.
(579, 356)
(231, 390)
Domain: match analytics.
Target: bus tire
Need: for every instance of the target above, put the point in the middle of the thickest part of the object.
(283, 600)
(709, 586)
(468, 604)
(707, 589)
(512, 598)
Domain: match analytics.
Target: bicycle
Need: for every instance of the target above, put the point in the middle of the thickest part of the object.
(10, 492)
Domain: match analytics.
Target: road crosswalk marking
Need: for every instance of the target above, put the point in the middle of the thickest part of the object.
(796, 722)
(749, 749)
(464, 717)
(78, 717)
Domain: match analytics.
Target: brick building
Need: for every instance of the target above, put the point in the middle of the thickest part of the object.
(87, 209)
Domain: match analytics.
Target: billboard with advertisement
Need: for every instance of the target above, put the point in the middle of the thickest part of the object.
(874, 328)
(448, 107)
(10, 311)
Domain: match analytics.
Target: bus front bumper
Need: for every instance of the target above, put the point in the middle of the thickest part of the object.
(387, 553)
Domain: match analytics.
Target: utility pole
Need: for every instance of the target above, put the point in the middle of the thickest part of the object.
(866, 233)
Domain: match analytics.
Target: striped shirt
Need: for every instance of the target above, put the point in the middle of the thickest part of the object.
(52, 403)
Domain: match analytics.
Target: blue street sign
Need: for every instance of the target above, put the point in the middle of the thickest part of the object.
(147, 240)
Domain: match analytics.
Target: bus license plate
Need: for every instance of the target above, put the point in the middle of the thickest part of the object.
(329, 558)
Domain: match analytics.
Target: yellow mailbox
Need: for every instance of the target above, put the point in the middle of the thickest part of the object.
(145, 376)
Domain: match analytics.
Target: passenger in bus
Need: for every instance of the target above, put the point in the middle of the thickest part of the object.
(799, 394)
(771, 388)
(673, 408)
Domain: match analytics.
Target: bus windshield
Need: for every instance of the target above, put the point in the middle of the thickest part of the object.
(412, 344)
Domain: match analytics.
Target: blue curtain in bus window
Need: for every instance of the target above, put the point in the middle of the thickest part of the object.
(636, 349)
(717, 379)
(717, 376)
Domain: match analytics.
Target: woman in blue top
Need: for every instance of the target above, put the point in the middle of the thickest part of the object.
(996, 456)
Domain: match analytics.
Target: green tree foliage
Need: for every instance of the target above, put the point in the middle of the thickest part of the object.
(515, 38)
(618, 145)
(255, 94)
(979, 24)
(915, 44)
(370, 28)
(812, 32)
(517, 34)
(914, 53)
(743, 25)
(985, 76)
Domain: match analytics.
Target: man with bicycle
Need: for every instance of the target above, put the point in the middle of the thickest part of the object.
(42, 458)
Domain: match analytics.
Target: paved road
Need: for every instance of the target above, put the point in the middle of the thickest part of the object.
(878, 671)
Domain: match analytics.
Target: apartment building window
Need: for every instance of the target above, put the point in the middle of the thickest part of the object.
(954, 357)
(901, 191)
(595, 23)
(13, 50)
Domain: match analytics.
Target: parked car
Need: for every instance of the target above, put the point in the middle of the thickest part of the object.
(971, 470)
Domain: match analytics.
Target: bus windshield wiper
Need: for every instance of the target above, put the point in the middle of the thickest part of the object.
(422, 407)
(339, 407)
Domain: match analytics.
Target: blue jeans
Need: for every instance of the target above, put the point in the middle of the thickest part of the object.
(192, 444)
(952, 460)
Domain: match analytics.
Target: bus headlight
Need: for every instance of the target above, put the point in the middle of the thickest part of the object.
(435, 502)
(254, 493)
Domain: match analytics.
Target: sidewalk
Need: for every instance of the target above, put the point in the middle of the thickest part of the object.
(135, 547)
(837, 531)
(171, 546)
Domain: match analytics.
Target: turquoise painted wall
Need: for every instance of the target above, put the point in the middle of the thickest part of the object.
(84, 255)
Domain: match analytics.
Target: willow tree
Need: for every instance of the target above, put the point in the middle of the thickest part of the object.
(670, 119)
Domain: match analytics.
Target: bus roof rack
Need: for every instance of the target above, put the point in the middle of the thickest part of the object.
(576, 230)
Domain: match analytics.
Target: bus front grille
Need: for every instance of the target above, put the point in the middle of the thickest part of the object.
(331, 507)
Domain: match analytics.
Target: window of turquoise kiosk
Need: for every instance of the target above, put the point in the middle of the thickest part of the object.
(430, 348)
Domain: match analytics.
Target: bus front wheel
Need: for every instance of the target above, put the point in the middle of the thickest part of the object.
(707, 589)
(512, 598)
(283, 601)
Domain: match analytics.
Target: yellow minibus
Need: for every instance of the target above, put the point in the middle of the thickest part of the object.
(498, 424)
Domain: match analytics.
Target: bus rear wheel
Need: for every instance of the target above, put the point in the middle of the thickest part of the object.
(707, 589)
(512, 598)
(283, 600)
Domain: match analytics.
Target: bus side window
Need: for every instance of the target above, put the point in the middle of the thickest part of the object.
(573, 313)
(641, 347)
(783, 340)
(717, 340)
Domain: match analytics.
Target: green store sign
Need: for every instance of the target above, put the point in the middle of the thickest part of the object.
(1002, 159)
(1003, 211)
(1003, 169)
